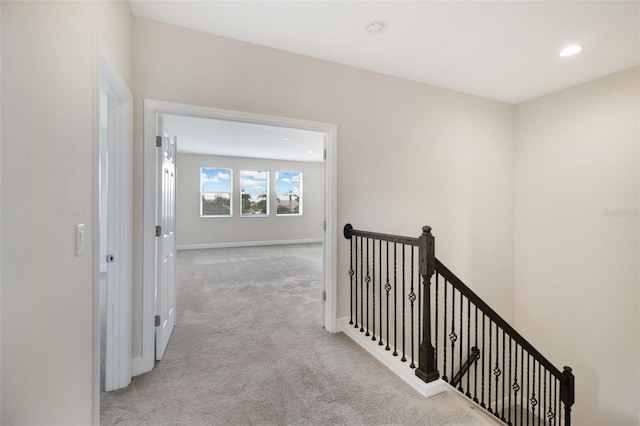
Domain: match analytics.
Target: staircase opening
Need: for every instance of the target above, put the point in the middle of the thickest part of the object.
(423, 315)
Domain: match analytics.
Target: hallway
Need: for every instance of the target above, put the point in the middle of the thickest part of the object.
(249, 348)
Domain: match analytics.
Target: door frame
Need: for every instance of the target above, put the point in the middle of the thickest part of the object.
(154, 107)
(120, 128)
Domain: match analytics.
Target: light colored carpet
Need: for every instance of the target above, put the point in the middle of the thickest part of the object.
(249, 349)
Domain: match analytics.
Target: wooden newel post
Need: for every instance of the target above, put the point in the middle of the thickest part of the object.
(427, 370)
(568, 393)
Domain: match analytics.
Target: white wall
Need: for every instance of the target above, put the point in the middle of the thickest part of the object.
(408, 154)
(576, 240)
(49, 166)
(191, 229)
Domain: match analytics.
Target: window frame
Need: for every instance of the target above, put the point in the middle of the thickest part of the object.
(202, 192)
(267, 191)
(300, 194)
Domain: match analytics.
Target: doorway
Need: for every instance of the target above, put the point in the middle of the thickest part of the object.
(153, 110)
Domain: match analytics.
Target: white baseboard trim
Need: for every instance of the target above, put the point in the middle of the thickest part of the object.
(393, 363)
(247, 244)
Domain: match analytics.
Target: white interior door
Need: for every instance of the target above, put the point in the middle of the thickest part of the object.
(166, 243)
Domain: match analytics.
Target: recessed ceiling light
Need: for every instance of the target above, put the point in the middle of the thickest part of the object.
(223, 144)
(375, 27)
(570, 50)
(309, 152)
(285, 139)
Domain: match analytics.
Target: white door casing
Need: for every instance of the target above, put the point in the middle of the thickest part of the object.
(119, 150)
(166, 242)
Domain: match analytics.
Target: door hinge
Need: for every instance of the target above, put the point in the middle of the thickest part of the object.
(158, 141)
(157, 320)
(324, 225)
(158, 230)
(324, 296)
(325, 154)
(110, 258)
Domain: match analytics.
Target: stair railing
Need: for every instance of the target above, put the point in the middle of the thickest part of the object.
(452, 330)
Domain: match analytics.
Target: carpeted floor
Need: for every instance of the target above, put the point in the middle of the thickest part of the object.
(249, 349)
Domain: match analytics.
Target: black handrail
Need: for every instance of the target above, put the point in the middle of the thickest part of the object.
(350, 232)
(497, 319)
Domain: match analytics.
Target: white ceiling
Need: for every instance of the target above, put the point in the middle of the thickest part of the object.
(235, 139)
(503, 50)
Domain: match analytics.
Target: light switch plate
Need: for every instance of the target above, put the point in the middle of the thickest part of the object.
(79, 239)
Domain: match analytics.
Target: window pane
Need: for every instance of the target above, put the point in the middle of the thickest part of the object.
(288, 193)
(254, 190)
(215, 192)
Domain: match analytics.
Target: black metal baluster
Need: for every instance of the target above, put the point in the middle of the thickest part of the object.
(444, 333)
(489, 409)
(460, 388)
(522, 386)
(544, 396)
(496, 370)
(395, 310)
(387, 288)
(503, 376)
(539, 392)
(435, 362)
(528, 388)
(555, 401)
(516, 388)
(453, 336)
(510, 360)
(533, 401)
(373, 290)
(356, 284)
(420, 284)
(351, 281)
(475, 365)
(404, 358)
(468, 347)
(367, 280)
(412, 298)
(482, 371)
(380, 343)
(361, 287)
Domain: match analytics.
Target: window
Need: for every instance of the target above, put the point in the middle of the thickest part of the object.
(254, 190)
(215, 192)
(288, 193)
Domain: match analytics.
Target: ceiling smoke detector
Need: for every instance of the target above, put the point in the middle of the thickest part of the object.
(375, 27)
